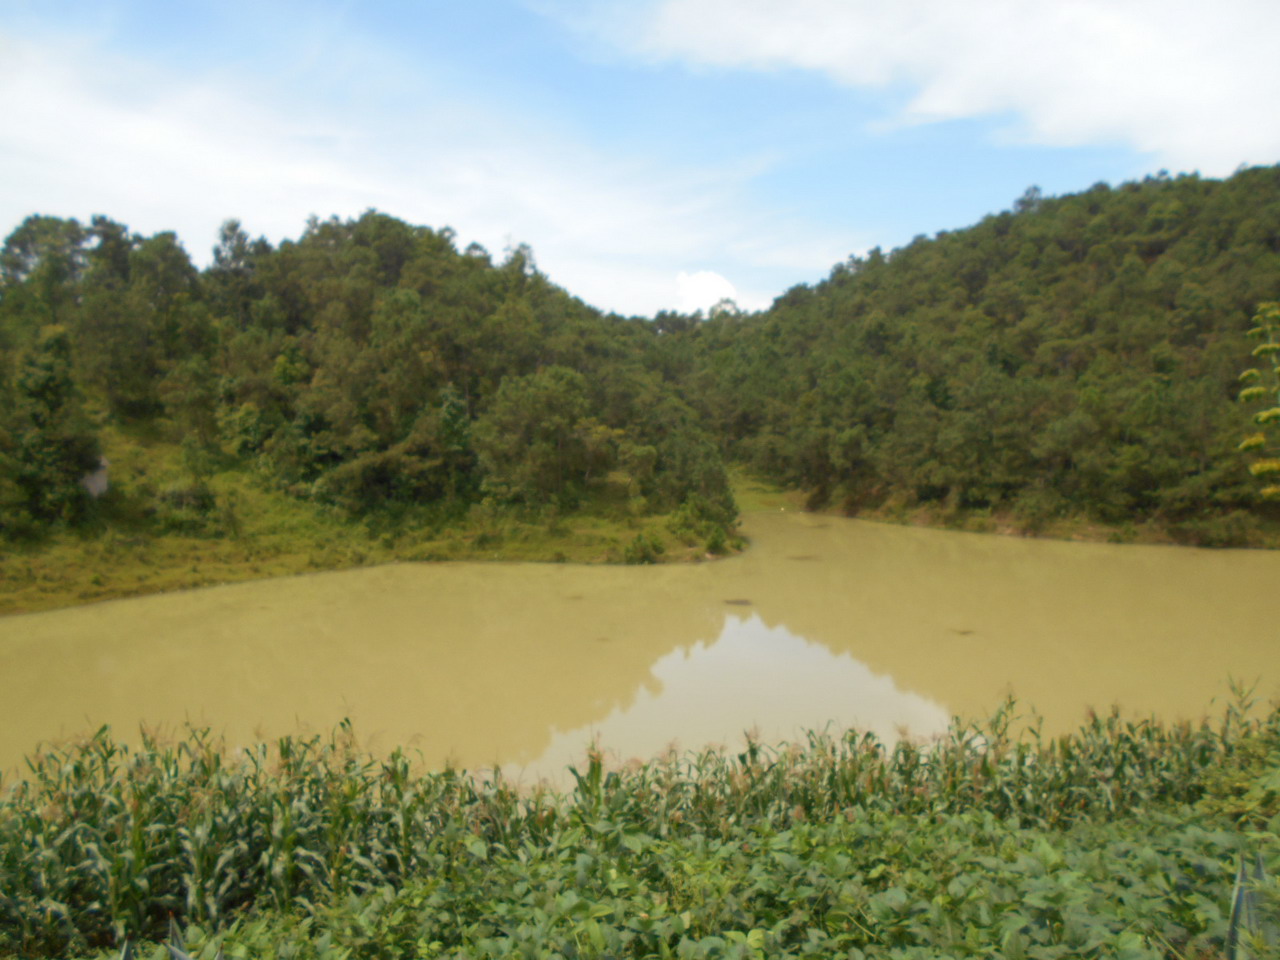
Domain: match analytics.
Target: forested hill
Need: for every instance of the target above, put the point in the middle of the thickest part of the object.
(1077, 356)
(368, 365)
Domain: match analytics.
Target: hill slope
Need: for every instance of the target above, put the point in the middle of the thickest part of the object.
(1075, 357)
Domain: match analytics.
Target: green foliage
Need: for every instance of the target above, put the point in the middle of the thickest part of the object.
(707, 521)
(46, 443)
(1074, 358)
(1247, 791)
(645, 548)
(536, 442)
(1264, 388)
(39, 264)
(871, 885)
(119, 841)
(985, 844)
(368, 365)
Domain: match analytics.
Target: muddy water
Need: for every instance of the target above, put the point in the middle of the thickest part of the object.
(822, 621)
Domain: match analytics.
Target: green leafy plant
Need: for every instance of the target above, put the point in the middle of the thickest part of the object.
(644, 548)
(1261, 385)
(992, 841)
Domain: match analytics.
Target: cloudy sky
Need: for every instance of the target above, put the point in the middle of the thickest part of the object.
(654, 153)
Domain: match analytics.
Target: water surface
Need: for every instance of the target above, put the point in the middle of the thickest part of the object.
(823, 621)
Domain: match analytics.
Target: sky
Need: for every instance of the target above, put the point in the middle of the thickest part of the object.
(654, 154)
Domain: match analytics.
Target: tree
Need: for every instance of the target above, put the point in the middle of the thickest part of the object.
(49, 244)
(50, 445)
(139, 316)
(1030, 201)
(43, 260)
(232, 276)
(113, 245)
(536, 442)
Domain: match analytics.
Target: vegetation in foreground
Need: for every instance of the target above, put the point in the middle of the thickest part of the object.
(1119, 841)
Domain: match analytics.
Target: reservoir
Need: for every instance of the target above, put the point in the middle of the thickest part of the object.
(822, 622)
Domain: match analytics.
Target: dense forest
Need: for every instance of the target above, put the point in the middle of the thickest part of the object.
(370, 366)
(1075, 356)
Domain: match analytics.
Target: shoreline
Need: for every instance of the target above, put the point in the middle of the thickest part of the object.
(1075, 529)
(70, 570)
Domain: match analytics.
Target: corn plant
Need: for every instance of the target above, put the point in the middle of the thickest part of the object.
(838, 837)
(101, 843)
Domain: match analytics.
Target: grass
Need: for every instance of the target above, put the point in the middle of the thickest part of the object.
(1232, 530)
(1118, 841)
(255, 532)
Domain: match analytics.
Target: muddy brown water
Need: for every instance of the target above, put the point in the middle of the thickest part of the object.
(821, 622)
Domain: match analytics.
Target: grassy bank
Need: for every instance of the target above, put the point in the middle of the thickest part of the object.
(141, 543)
(1120, 840)
(253, 531)
(1233, 530)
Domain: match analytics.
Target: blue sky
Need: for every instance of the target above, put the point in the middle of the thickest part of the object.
(653, 153)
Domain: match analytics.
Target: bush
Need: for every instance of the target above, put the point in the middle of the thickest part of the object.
(1235, 529)
(186, 509)
(645, 548)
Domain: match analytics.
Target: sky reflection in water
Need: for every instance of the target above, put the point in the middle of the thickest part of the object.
(756, 679)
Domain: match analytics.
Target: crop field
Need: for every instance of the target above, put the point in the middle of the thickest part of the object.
(1122, 840)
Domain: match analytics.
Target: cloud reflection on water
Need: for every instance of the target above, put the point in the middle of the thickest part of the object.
(752, 678)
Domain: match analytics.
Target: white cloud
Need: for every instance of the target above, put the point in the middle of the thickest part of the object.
(1192, 84)
(154, 153)
(702, 290)
(159, 151)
